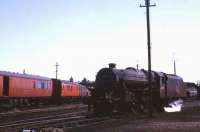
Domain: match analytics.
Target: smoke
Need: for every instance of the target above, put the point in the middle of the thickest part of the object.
(174, 106)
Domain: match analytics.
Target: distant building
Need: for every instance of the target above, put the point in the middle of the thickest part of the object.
(191, 89)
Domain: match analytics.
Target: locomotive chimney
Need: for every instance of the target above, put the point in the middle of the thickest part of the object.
(112, 65)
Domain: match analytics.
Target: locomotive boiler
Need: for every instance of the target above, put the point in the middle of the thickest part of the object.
(124, 90)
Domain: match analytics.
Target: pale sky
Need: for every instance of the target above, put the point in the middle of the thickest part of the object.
(85, 35)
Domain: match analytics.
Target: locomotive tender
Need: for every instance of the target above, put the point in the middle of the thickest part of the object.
(124, 90)
(18, 89)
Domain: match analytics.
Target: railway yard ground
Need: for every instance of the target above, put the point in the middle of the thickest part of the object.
(64, 119)
(17, 120)
(188, 120)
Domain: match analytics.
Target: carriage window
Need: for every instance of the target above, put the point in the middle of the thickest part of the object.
(38, 85)
(46, 85)
(42, 85)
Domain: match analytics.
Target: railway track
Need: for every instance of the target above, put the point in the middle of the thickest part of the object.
(15, 112)
(38, 113)
(77, 122)
(41, 121)
(13, 121)
(67, 121)
(62, 120)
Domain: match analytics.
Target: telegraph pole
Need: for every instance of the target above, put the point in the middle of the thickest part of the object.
(174, 67)
(147, 5)
(137, 65)
(174, 63)
(57, 70)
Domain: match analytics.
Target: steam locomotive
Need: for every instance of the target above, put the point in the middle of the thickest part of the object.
(125, 90)
(25, 89)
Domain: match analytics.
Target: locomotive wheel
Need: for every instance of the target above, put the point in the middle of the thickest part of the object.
(143, 108)
(132, 107)
(115, 96)
(142, 104)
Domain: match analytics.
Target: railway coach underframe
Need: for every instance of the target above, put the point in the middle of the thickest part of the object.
(13, 102)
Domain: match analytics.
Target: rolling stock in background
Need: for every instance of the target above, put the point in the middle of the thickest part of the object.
(29, 89)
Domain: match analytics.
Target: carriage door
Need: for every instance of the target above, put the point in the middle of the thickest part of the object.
(56, 88)
(5, 86)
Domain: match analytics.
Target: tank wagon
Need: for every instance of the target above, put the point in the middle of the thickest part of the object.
(123, 90)
(26, 89)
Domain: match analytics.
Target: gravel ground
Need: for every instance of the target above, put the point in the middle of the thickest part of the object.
(188, 120)
(159, 123)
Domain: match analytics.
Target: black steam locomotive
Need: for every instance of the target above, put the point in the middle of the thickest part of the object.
(125, 90)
